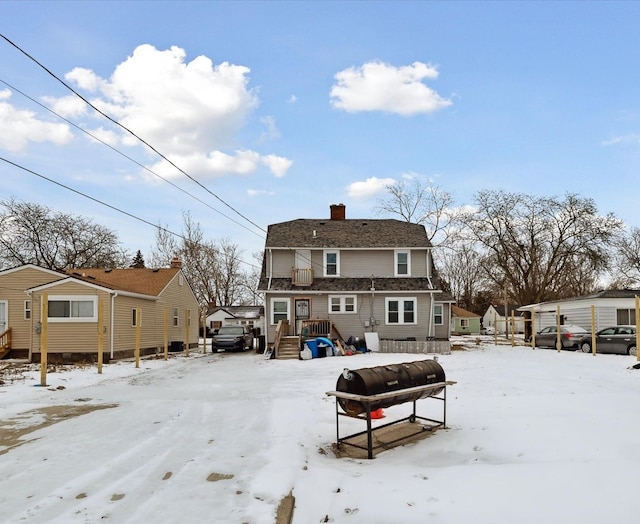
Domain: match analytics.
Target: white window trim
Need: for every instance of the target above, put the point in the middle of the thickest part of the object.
(441, 323)
(27, 309)
(324, 262)
(176, 317)
(74, 298)
(343, 302)
(272, 311)
(395, 262)
(401, 301)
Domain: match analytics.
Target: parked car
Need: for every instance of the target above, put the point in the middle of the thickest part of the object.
(570, 336)
(232, 338)
(613, 339)
(489, 330)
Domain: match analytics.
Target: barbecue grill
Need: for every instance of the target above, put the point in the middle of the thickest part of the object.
(360, 392)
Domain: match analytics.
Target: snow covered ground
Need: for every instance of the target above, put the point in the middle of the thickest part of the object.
(533, 436)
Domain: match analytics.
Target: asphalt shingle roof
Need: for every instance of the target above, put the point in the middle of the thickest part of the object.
(349, 233)
(135, 280)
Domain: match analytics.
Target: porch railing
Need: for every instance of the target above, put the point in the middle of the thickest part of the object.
(301, 277)
(5, 343)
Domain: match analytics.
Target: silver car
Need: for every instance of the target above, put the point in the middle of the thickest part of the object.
(570, 336)
(614, 339)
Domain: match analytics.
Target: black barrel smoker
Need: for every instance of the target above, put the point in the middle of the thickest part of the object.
(360, 392)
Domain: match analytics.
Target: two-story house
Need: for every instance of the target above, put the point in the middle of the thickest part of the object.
(363, 275)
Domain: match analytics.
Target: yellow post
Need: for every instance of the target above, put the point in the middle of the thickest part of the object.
(637, 326)
(187, 316)
(495, 328)
(166, 334)
(204, 331)
(558, 334)
(43, 339)
(137, 349)
(100, 334)
(533, 329)
(593, 330)
(513, 328)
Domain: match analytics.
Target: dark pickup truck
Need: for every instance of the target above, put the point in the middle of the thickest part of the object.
(232, 338)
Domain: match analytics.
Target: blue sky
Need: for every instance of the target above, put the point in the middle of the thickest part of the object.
(281, 109)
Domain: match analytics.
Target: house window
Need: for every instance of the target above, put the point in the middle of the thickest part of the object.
(134, 317)
(464, 323)
(400, 310)
(626, 317)
(331, 263)
(342, 304)
(403, 263)
(438, 315)
(176, 317)
(72, 309)
(279, 310)
(27, 309)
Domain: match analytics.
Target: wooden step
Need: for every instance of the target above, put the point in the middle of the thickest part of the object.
(288, 348)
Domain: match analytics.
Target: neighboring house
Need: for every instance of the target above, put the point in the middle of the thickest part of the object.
(612, 307)
(464, 322)
(159, 301)
(362, 275)
(494, 318)
(252, 316)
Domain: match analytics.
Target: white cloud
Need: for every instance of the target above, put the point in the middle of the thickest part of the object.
(278, 165)
(217, 163)
(292, 99)
(630, 139)
(189, 111)
(376, 86)
(19, 127)
(271, 131)
(369, 187)
(67, 106)
(259, 192)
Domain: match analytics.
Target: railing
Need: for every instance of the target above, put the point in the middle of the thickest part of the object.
(282, 330)
(301, 277)
(316, 328)
(5, 342)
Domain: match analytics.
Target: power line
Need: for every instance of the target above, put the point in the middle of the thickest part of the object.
(128, 131)
(102, 203)
(124, 155)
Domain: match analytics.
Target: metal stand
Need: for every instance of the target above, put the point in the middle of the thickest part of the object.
(367, 400)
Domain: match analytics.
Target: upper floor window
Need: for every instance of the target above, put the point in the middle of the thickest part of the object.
(402, 263)
(401, 310)
(72, 309)
(331, 263)
(27, 309)
(342, 304)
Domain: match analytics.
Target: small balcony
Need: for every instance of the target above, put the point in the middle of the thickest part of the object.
(301, 277)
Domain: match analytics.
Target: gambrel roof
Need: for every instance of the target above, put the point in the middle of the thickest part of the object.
(346, 234)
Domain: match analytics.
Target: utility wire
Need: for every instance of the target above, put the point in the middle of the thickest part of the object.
(124, 155)
(128, 131)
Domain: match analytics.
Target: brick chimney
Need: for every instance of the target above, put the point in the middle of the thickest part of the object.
(338, 211)
(176, 263)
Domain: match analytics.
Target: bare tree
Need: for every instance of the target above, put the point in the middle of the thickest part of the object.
(213, 269)
(34, 234)
(422, 203)
(541, 248)
(626, 270)
(459, 267)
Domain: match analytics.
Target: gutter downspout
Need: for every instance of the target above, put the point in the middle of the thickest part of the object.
(113, 307)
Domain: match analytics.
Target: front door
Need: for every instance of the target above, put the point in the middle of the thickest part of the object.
(302, 309)
(3, 316)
